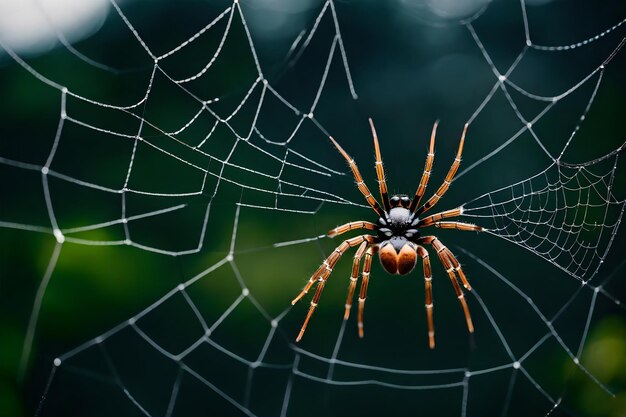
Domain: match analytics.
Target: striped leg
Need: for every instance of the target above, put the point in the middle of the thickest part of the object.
(444, 255)
(457, 267)
(432, 219)
(428, 285)
(459, 226)
(322, 274)
(314, 301)
(421, 189)
(356, 263)
(455, 263)
(359, 180)
(367, 266)
(380, 171)
(329, 263)
(351, 226)
(446, 183)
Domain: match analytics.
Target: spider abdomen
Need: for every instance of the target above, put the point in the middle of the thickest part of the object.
(397, 255)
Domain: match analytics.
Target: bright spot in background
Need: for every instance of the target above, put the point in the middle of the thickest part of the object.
(537, 2)
(455, 9)
(433, 11)
(33, 26)
(278, 18)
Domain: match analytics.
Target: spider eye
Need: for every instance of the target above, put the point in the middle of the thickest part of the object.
(405, 200)
(395, 199)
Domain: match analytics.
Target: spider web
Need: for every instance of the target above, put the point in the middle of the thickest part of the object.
(217, 334)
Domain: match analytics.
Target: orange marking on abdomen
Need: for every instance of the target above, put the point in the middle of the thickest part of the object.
(406, 260)
(389, 258)
(397, 263)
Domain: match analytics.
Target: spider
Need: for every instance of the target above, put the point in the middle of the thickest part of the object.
(398, 240)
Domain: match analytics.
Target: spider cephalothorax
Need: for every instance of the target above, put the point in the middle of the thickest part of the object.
(398, 240)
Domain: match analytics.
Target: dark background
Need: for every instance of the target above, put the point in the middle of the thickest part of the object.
(410, 66)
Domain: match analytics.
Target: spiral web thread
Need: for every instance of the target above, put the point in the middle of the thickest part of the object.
(547, 214)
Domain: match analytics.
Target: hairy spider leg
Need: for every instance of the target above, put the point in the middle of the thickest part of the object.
(360, 224)
(357, 257)
(434, 220)
(314, 301)
(428, 286)
(421, 189)
(321, 277)
(445, 259)
(457, 267)
(459, 226)
(359, 180)
(367, 266)
(430, 220)
(446, 183)
(356, 263)
(380, 170)
(329, 263)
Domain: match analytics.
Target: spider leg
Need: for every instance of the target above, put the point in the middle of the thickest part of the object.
(314, 301)
(322, 274)
(351, 226)
(356, 263)
(428, 285)
(380, 171)
(367, 266)
(428, 221)
(446, 183)
(457, 266)
(427, 169)
(359, 180)
(459, 226)
(329, 263)
(445, 256)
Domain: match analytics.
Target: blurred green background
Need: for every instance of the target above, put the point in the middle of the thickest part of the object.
(412, 62)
